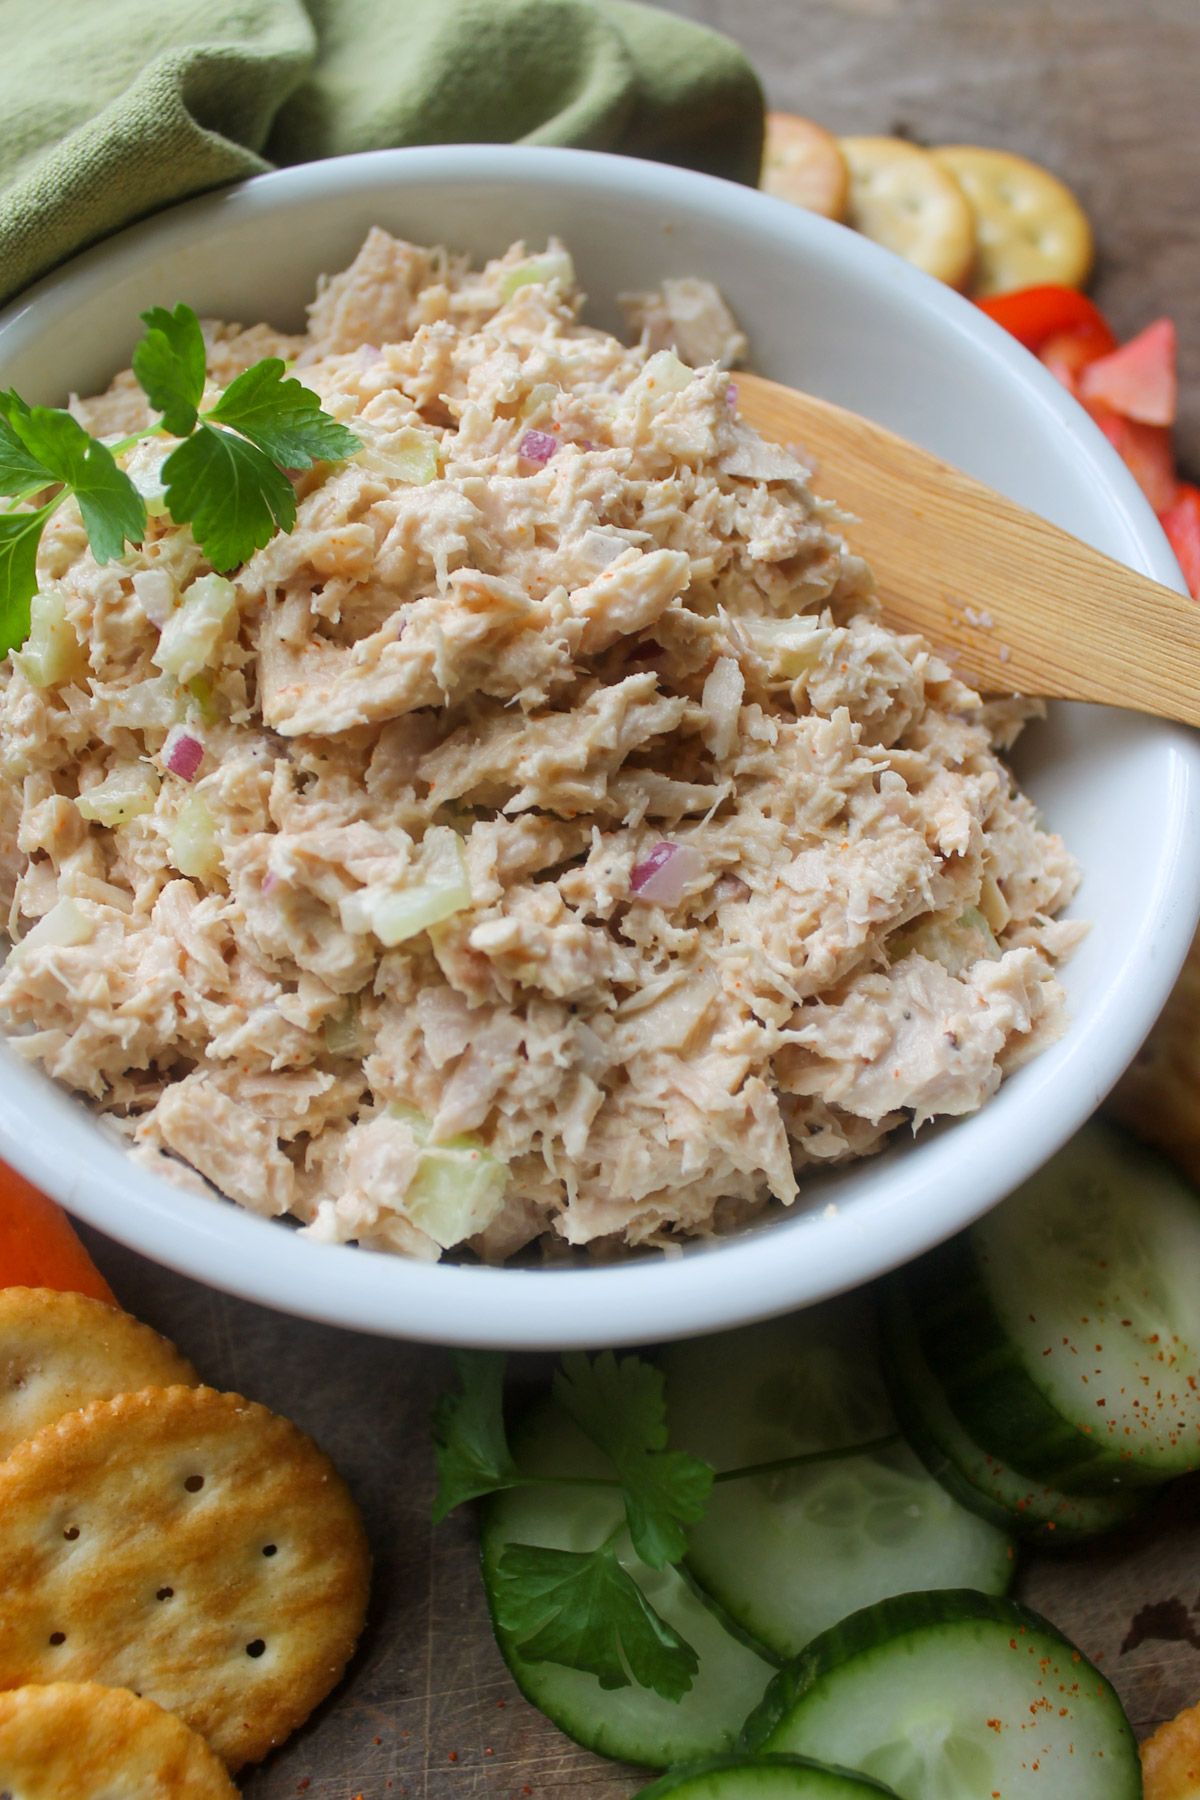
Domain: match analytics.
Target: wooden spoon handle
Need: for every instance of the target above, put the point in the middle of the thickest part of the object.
(1017, 604)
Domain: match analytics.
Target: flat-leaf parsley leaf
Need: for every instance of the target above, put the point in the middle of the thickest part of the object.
(170, 365)
(226, 478)
(582, 1609)
(621, 1407)
(233, 496)
(283, 418)
(469, 1442)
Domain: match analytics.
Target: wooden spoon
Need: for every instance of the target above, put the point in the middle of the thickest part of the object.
(1021, 606)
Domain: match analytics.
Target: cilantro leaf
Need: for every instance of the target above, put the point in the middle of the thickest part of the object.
(620, 1405)
(469, 1443)
(19, 468)
(231, 492)
(585, 1611)
(170, 365)
(20, 534)
(282, 417)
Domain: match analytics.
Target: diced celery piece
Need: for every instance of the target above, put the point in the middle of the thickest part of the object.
(459, 1186)
(551, 265)
(439, 889)
(406, 455)
(191, 635)
(61, 927)
(456, 1192)
(52, 654)
(955, 943)
(537, 402)
(192, 840)
(343, 1032)
(155, 704)
(789, 647)
(200, 688)
(661, 379)
(125, 794)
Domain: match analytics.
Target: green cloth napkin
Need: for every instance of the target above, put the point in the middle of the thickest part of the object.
(110, 109)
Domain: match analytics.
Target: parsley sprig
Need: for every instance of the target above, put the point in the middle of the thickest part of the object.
(583, 1608)
(228, 478)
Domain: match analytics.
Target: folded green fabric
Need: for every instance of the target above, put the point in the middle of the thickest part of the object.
(110, 109)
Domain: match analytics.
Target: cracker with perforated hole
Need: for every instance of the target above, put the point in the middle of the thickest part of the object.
(1029, 227)
(802, 163)
(95, 1742)
(191, 1546)
(903, 199)
(1171, 1759)
(60, 1351)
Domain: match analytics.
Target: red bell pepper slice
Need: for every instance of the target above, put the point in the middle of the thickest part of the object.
(1146, 451)
(1181, 522)
(1034, 314)
(38, 1247)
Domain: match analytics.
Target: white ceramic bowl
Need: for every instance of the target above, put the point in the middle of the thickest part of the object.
(825, 310)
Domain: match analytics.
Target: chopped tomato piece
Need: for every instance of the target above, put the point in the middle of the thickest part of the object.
(1138, 379)
(38, 1247)
(1146, 450)
(1068, 353)
(1181, 522)
(1034, 314)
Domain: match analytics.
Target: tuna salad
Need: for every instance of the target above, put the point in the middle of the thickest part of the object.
(546, 839)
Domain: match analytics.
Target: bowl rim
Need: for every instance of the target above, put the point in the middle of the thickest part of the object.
(753, 1274)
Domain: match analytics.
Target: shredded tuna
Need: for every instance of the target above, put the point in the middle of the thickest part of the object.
(554, 843)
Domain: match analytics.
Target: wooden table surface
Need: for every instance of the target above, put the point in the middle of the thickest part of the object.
(1104, 92)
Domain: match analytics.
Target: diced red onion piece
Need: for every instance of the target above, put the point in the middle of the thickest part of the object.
(369, 353)
(183, 754)
(270, 880)
(731, 396)
(665, 873)
(537, 446)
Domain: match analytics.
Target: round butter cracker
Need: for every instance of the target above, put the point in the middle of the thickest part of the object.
(1029, 227)
(60, 1351)
(901, 198)
(802, 163)
(189, 1545)
(94, 1742)
(1171, 1759)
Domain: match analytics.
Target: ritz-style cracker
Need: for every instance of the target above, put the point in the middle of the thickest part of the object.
(802, 163)
(903, 199)
(1029, 227)
(93, 1742)
(189, 1545)
(1171, 1759)
(60, 1351)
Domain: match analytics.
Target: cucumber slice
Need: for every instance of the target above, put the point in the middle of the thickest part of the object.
(1043, 1514)
(788, 1554)
(1064, 1327)
(633, 1724)
(955, 1696)
(763, 1778)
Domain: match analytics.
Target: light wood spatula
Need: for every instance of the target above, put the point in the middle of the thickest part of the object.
(1025, 607)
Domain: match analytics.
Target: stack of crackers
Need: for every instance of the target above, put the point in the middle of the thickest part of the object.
(985, 221)
(183, 1574)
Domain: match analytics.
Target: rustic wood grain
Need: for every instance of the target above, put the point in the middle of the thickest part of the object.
(1104, 92)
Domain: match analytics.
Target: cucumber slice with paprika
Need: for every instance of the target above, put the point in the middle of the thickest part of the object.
(1064, 1327)
(633, 1724)
(763, 1778)
(789, 1552)
(954, 1696)
(981, 1481)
